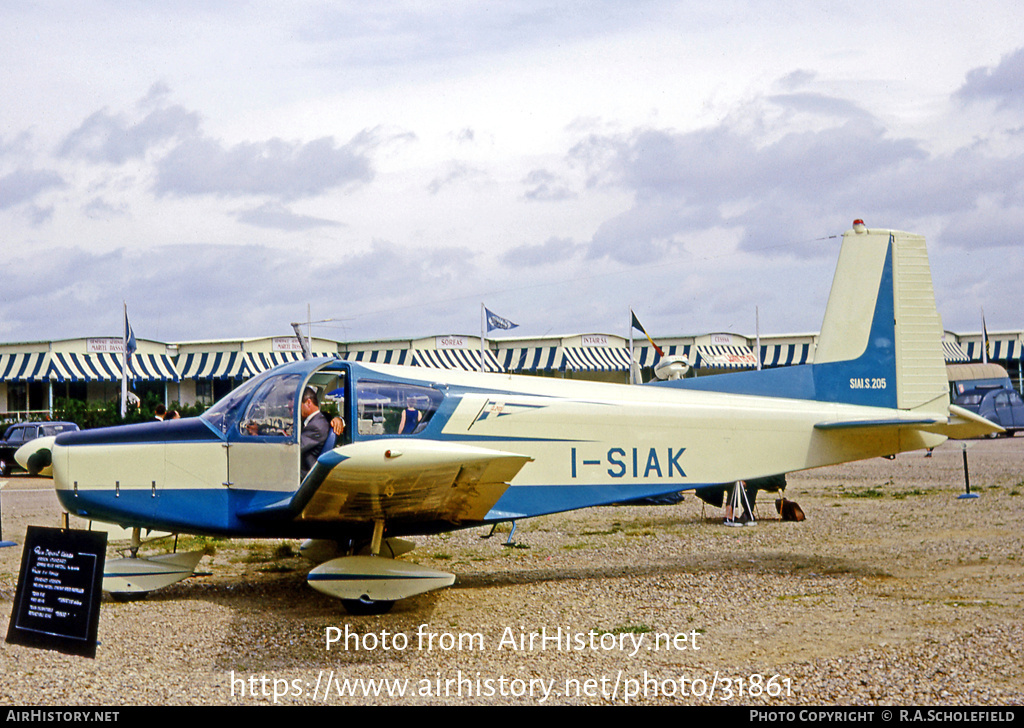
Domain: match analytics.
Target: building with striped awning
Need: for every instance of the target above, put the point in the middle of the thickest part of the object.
(602, 357)
(34, 374)
(1003, 347)
(210, 369)
(454, 351)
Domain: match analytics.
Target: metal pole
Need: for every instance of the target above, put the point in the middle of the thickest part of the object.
(967, 477)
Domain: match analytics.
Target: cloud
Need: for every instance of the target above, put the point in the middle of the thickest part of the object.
(278, 168)
(278, 217)
(551, 252)
(23, 185)
(456, 172)
(820, 104)
(1003, 83)
(744, 176)
(796, 79)
(111, 139)
(100, 209)
(545, 186)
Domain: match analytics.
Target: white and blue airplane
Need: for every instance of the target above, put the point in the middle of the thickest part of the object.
(490, 448)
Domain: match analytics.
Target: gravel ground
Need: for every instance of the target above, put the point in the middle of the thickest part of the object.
(892, 591)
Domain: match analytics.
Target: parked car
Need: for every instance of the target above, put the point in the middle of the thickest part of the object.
(998, 404)
(22, 432)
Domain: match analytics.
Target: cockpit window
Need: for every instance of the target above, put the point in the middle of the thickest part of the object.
(271, 411)
(392, 408)
(227, 410)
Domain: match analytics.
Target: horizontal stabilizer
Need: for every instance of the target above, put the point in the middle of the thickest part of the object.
(916, 424)
(959, 425)
(964, 424)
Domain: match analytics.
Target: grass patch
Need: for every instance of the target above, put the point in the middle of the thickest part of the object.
(263, 554)
(874, 492)
(576, 546)
(906, 493)
(616, 528)
(626, 629)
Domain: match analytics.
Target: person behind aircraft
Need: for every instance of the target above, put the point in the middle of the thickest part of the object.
(410, 418)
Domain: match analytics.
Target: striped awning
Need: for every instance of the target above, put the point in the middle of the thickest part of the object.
(259, 362)
(381, 356)
(648, 357)
(23, 367)
(596, 358)
(725, 357)
(953, 352)
(531, 359)
(784, 355)
(214, 365)
(106, 367)
(999, 349)
(466, 359)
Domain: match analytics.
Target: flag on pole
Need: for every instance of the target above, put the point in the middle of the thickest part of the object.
(494, 321)
(636, 325)
(129, 349)
(129, 337)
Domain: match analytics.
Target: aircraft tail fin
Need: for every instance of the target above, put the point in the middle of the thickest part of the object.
(881, 340)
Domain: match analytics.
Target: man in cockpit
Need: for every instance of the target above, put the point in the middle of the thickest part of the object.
(314, 429)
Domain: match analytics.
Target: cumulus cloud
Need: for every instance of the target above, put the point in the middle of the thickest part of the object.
(551, 252)
(455, 172)
(100, 209)
(546, 187)
(721, 177)
(1003, 83)
(24, 185)
(288, 170)
(113, 139)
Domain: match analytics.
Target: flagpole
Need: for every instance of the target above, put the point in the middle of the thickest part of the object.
(124, 363)
(631, 350)
(483, 320)
(984, 338)
(757, 336)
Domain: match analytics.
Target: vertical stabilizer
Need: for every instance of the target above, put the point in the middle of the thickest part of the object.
(882, 324)
(881, 340)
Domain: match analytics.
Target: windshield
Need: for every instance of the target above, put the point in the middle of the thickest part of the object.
(271, 411)
(226, 411)
(968, 399)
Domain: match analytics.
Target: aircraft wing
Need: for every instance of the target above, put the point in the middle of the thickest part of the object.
(393, 479)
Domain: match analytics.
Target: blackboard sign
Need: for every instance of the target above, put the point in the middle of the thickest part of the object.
(57, 602)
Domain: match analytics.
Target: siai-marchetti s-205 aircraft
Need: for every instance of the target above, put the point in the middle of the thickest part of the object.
(489, 448)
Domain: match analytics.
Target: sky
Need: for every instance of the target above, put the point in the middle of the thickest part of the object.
(226, 168)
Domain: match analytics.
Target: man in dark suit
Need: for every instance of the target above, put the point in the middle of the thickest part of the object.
(314, 429)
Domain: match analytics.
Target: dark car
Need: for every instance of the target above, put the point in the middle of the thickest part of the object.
(998, 404)
(22, 432)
